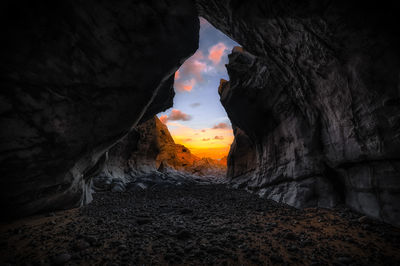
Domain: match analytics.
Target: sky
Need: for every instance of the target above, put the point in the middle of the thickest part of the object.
(197, 118)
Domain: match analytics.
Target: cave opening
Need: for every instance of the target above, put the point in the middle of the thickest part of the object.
(197, 121)
(312, 101)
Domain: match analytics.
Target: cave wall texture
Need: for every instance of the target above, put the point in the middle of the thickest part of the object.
(315, 95)
(76, 76)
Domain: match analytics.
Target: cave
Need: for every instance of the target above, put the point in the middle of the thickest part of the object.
(313, 96)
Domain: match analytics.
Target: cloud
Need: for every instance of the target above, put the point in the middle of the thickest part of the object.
(203, 130)
(219, 137)
(203, 22)
(177, 75)
(185, 85)
(178, 115)
(194, 66)
(206, 139)
(216, 52)
(175, 115)
(221, 126)
(188, 139)
(190, 73)
(164, 119)
(195, 105)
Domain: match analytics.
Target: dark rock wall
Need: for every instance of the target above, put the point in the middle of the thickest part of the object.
(317, 91)
(76, 76)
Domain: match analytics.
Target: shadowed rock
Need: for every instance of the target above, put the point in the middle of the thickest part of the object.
(76, 76)
(316, 90)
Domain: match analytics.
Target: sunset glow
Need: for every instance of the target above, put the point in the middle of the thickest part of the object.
(206, 142)
(197, 120)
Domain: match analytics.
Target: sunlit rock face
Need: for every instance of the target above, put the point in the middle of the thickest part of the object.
(150, 151)
(316, 90)
(76, 76)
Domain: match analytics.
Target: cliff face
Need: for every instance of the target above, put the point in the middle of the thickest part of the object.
(316, 97)
(76, 76)
(149, 150)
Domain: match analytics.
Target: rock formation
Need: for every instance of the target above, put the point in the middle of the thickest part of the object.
(76, 76)
(315, 97)
(149, 150)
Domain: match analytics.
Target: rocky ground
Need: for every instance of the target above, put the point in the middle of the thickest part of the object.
(197, 224)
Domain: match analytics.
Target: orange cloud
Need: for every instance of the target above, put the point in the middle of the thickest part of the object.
(219, 137)
(190, 73)
(164, 119)
(175, 115)
(193, 66)
(185, 85)
(178, 115)
(206, 139)
(221, 126)
(177, 75)
(216, 52)
(203, 130)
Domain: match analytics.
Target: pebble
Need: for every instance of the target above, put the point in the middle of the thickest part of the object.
(61, 259)
(362, 219)
(198, 225)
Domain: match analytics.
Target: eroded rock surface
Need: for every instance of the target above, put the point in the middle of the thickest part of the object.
(76, 76)
(316, 90)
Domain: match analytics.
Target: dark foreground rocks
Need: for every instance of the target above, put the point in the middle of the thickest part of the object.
(197, 224)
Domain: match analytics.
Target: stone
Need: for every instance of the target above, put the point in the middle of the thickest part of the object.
(183, 234)
(142, 221)
(81, 245)
(344, 260)
(61, 259)
(118, 187)
(186, 211)
(363, 219)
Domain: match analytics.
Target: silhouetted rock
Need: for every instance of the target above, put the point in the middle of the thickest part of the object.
(76, 76)
(241, 160)
(149, 155)
(316, 90)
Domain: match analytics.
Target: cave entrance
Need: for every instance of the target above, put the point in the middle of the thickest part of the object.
(197, 122)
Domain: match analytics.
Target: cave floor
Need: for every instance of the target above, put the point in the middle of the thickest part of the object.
(197, 224)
